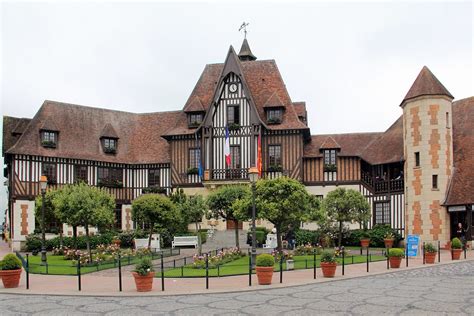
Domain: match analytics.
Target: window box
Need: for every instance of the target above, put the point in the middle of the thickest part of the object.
(275, 168)
(274, 120)
(109, 150)
(109, 183)
(48, 143)
(194, 124)
(330, 168)
(234, 127)
(192, 171)
(154, 189)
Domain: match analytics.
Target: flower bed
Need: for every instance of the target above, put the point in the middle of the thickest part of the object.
(222, 257)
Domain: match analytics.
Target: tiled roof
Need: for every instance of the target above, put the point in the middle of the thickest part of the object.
(13, 127)
(194, 106)
(273, 102)
(264, 81)
(330, 143)
(426, 84)
(139, 135)
(245, 51)
(461, 190)
(352, 144)
(109, 131)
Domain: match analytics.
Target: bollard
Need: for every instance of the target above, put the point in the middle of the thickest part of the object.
(120, 272)
(465, 250)
(281, 268)
(162, 272)
(424, 261)
(79, 273)
(250, 269)
(439, 251)
(207, 272)
(174, 263)
(305, 264)
(343, 257)
(388, 265)
(47, 268)
(352, 259)
(406, 254)
(451, 253)
(184, 260)
(367, 259)
(27, 272)
(218, 270)
(182, 271)
(314, 263)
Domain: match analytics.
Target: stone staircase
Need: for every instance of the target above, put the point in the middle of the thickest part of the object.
(225, 239)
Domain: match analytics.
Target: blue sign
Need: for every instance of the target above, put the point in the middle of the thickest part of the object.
(413, 243)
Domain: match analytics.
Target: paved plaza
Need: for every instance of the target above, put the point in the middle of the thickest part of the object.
(441, 290)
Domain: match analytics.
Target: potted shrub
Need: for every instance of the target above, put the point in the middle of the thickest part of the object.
(328, 264)
(430, 253)
(143, 275)
(388, 240)
(10, 271)
(264, 268)
(456, 248)
(365, 239)
(395, 256)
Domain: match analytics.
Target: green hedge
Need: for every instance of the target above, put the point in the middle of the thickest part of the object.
(304, 237)
(260, 233)
(33, 242)
(376, 235)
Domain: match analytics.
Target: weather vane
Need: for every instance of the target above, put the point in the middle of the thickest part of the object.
(244, 27)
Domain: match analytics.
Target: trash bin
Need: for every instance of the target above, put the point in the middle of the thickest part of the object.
(290, 264)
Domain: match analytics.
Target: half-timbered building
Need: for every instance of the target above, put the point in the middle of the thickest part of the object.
(417, 175)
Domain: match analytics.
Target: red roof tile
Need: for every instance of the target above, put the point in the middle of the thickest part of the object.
(426, 84)
(329, 143)
(352, 144)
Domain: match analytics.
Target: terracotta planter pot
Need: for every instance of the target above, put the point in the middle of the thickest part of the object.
(395, 262)
(388, 243)
(144, 283)
(264, 275)
(364, 242)
(329, 269)
(430, 257)
(456, 254)
(10, 278)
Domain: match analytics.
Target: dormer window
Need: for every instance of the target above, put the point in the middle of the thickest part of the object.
(49, 139)
(330, 160)
(109, 145)
(194, 120)
(274, 116)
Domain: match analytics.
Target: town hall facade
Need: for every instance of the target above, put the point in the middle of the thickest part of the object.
(417, 175)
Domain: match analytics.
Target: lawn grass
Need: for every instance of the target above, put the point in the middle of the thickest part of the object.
(57, 265)
(241, 266)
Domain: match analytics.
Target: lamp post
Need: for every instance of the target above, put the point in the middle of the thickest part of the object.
(43, 185)
(253, 175)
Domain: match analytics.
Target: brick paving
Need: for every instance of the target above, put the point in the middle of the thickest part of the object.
(438, 289)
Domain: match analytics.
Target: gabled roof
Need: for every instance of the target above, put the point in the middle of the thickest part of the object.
(329, 143)
(245, 52)
(21, 126)
(352, 144)
(108, 132)
(140, 134)
(13, 127)
(461, 190)
(49, 125)
(426, 84)
(194, 106)
(273, 102)
(387, 148)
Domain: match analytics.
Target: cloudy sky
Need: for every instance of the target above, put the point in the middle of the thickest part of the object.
(351, 62)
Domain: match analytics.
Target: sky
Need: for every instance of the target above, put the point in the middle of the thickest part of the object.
(352, 62)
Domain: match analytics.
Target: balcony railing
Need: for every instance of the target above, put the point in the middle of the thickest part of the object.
(379, 185)
(230, 174)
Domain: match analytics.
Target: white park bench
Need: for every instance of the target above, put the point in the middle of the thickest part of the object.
(143, 243)
(185, 241)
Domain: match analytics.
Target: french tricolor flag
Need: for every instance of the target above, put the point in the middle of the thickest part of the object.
(227, 146)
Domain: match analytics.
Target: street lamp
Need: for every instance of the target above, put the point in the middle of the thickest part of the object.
(43, 185)
(253, 175)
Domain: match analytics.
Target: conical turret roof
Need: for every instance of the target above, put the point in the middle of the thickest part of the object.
(245, 51)
(426, 84)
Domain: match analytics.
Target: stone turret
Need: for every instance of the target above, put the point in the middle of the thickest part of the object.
(428, 151)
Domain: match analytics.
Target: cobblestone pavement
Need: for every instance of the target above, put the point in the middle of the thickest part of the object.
(440, 290)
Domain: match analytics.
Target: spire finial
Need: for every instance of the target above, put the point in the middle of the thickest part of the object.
(244, 27)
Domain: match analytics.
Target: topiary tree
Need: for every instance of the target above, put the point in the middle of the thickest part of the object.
(154, 209)
(346, 205)
(83, 205)
(222, 203)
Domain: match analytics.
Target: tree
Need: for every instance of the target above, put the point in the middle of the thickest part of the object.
(154, 209)
(83, 205)
(194, 208)
(346, 205)
(282, 201)
(50, 216)
(222, 203)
